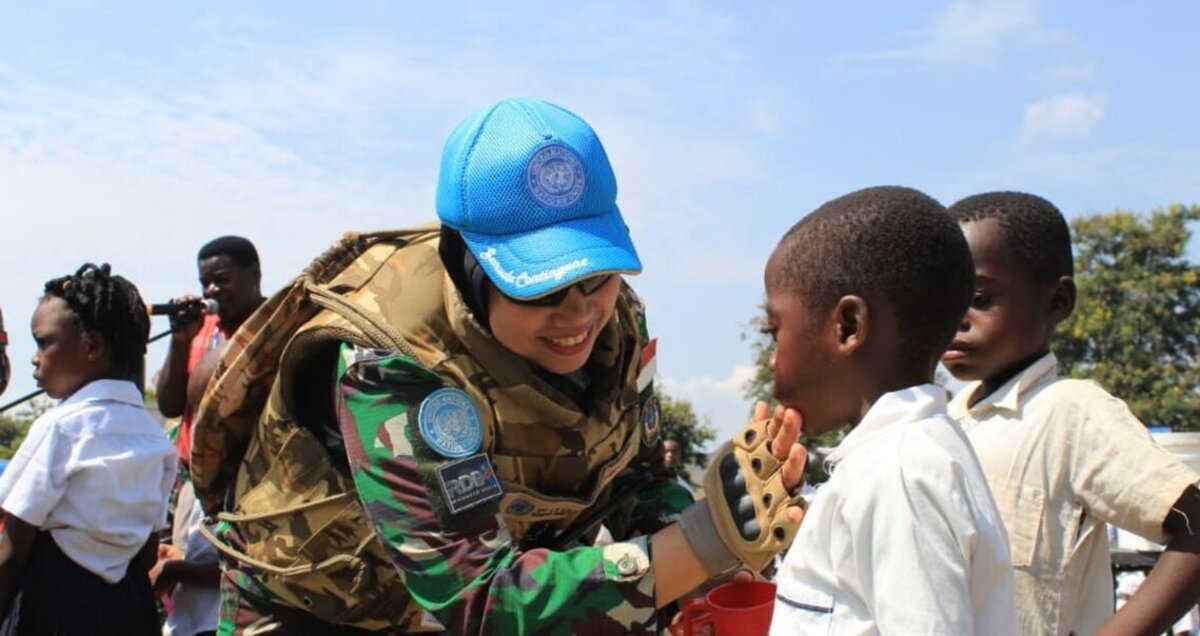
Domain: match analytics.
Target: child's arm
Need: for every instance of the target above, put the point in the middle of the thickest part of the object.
(17, 539)
(173, 568)
(1174, 584)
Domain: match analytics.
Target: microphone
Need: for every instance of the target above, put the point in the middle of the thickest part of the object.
(201, 306)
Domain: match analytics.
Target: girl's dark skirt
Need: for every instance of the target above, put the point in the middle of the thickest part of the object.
(57, 596)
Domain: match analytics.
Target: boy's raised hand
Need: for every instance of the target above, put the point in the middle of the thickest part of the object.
(784, 430)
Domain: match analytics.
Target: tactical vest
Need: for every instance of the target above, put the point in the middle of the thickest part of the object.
(299, 517)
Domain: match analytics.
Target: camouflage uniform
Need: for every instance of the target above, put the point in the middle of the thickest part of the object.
(358, 481)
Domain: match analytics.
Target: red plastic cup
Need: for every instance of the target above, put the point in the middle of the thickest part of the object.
(737, 608)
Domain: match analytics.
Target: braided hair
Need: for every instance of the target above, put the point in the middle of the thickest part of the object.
(111, 306)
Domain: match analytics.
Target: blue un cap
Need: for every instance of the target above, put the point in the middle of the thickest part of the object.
(530, 189)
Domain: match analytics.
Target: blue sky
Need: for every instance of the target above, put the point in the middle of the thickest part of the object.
(132, 133)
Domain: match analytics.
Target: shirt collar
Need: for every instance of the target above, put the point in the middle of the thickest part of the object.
(1008, 396)
(123, 391)
(897, 407)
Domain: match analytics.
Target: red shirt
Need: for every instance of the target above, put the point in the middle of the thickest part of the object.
(210, 335)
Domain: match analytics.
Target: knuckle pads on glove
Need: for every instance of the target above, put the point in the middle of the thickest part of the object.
(750, 500)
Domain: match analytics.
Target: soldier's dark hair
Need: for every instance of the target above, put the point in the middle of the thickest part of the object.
(111, 306)
(891, 244)
(239, 250)
(1034, 230)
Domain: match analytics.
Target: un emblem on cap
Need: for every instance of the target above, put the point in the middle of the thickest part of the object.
(449, 423)
(555, 176)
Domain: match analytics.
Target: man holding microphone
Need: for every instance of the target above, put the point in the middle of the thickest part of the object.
(230, 276)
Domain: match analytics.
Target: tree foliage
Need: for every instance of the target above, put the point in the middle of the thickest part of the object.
(758, 387)
(15, 424)
(1134, 329)
(680, 423)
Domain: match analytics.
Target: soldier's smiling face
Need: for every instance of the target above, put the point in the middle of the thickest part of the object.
(558, 338)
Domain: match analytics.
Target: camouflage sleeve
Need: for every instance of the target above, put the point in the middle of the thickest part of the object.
(464, 569)
(658, 497)
(655, 505)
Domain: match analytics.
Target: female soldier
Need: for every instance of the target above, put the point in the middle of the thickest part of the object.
(490, 408)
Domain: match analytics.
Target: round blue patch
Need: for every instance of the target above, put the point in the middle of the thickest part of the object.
(449, 423)
(555, 176)
(651, 420)
(520, 507)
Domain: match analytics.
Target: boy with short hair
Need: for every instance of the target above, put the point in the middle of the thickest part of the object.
(863, 296)
(1063, 456)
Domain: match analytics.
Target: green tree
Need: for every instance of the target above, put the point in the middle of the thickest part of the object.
(680, 423)
(1134, 329)
(12, 432)
(15, 424)
(758, 387)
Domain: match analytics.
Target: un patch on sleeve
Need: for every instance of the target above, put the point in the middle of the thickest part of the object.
(449, 423)
(469, 482)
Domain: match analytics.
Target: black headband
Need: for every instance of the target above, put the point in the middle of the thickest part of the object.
(467, 274)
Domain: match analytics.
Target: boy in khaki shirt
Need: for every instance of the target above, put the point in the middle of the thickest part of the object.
(1063, 457)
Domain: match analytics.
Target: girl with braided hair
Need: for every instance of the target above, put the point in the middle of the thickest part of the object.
(86, 493)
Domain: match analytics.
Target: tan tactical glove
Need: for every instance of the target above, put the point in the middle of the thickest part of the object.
(743, 517)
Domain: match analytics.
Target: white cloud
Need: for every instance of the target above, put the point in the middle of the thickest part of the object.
(970, 32)
(974, 30)
(1067, 115)
(761, 116)
(718, 399)
(1075, 70)
(729, 386)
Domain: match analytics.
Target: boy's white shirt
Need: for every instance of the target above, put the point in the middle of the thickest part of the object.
(96, 471)
(1064, 457)
(904, 538)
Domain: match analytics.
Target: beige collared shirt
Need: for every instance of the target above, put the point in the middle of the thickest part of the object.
(1064, 457)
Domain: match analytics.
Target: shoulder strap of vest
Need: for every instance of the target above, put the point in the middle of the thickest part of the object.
(235, 396)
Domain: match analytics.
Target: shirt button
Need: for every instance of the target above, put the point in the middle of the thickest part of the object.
(627, 565)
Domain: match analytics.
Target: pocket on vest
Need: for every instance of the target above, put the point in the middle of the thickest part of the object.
(306, 530)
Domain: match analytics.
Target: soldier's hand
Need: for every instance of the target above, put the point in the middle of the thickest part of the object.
(751, 508)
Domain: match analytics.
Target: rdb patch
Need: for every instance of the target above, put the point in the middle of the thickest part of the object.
(469, 482)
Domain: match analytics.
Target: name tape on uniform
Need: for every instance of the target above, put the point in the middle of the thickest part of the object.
(469, 482)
